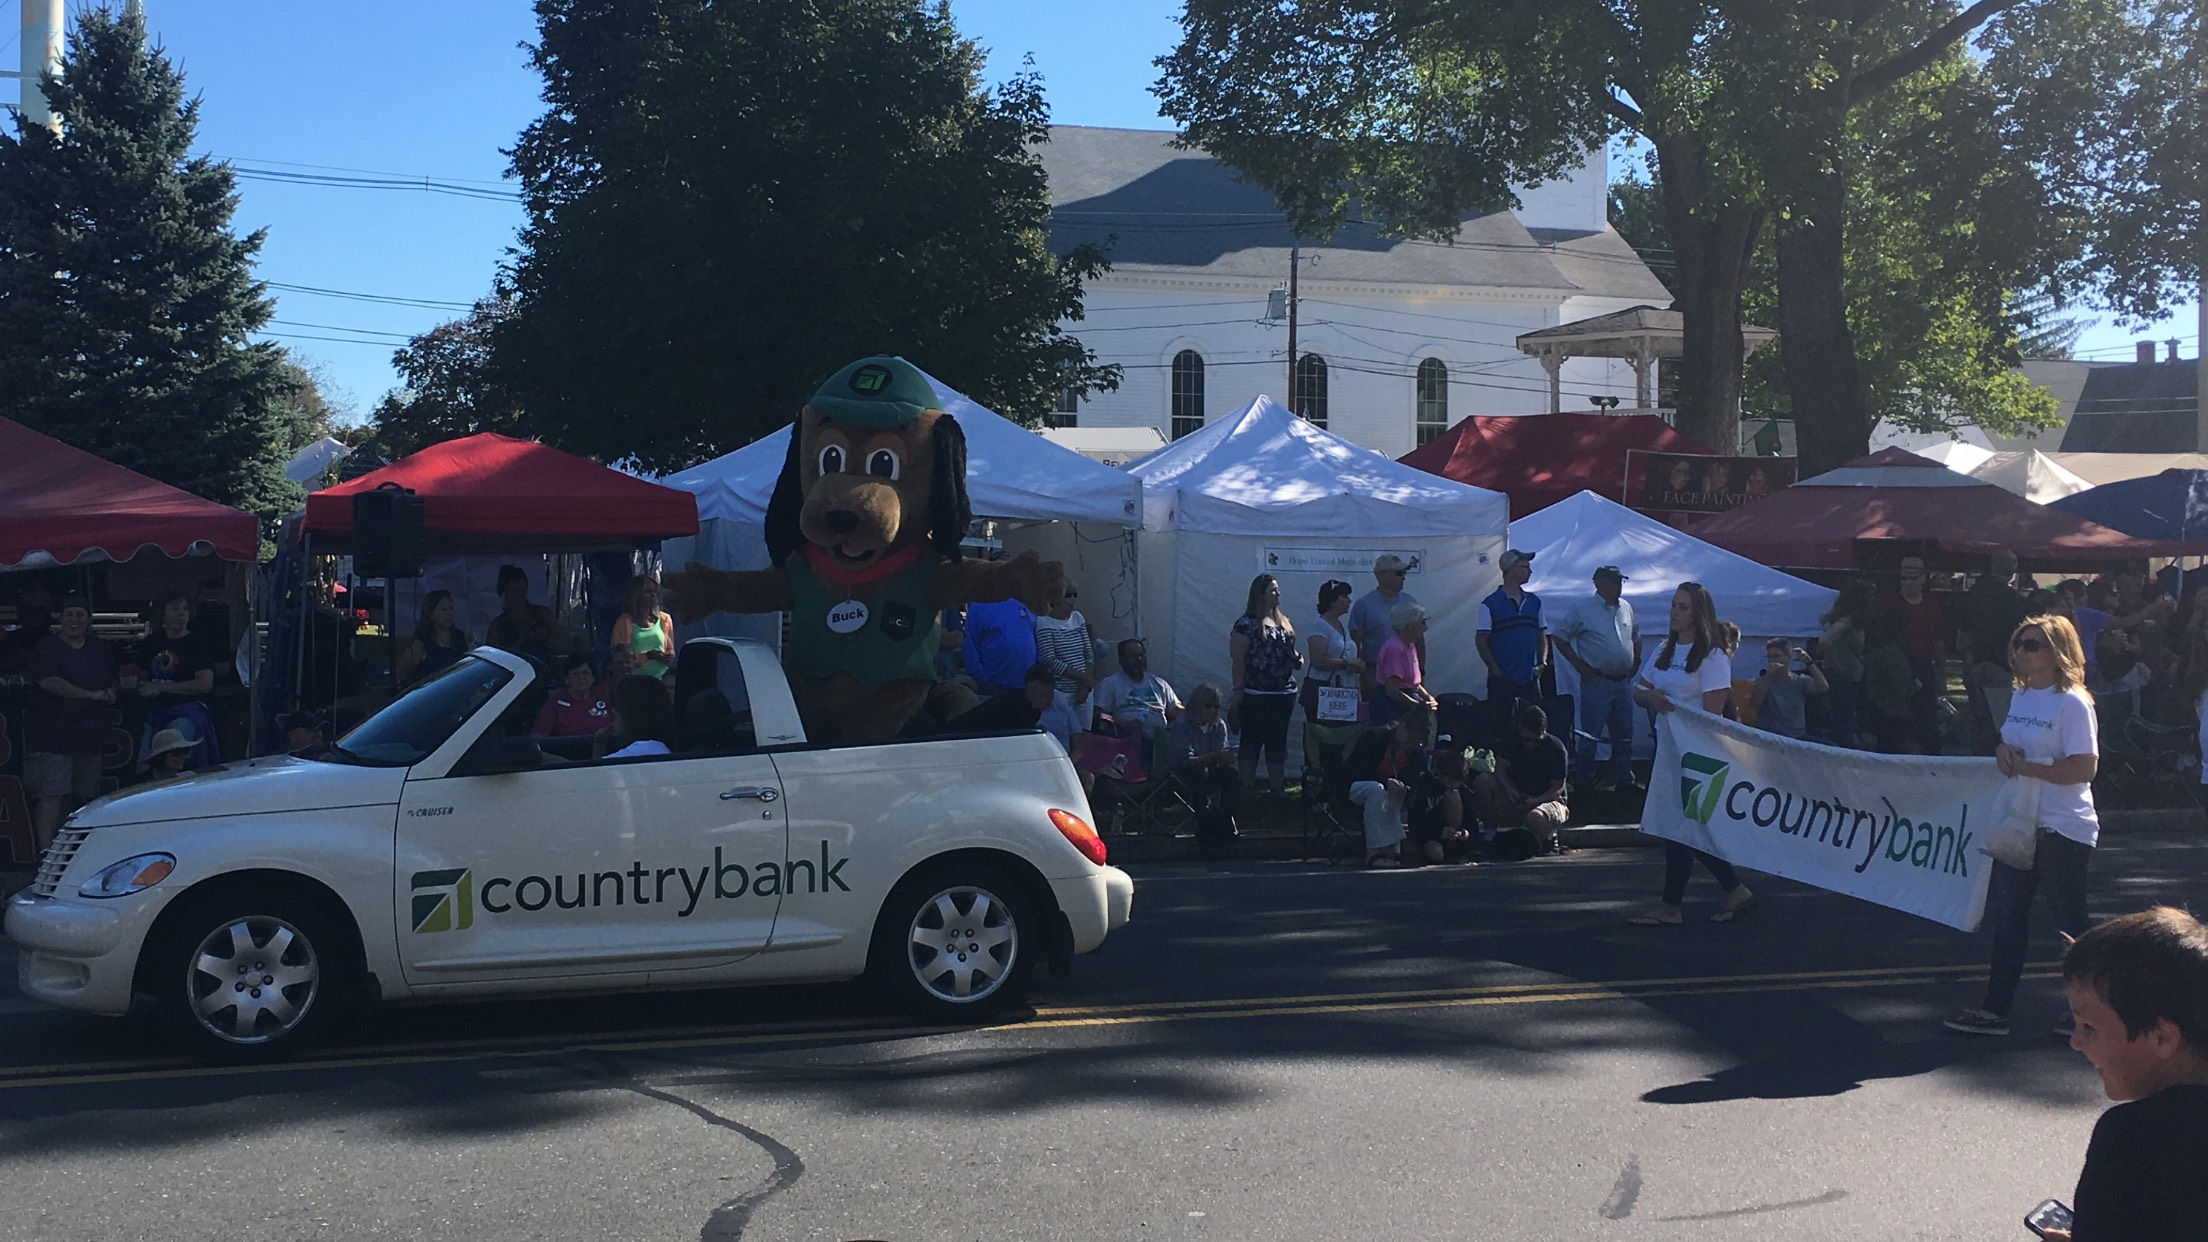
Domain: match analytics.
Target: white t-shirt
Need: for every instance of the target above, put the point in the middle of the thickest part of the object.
(1683, 688)
(642, 747)
(2055, 724)
(1119, 697)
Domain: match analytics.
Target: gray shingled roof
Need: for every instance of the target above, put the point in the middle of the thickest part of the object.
(2148, 407)
(1151, 205)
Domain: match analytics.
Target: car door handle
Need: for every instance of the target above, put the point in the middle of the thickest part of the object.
(763, 793)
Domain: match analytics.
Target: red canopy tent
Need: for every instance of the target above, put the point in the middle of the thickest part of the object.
(1539, 459)
(490, 491)
(61, 505)
(1840, 519)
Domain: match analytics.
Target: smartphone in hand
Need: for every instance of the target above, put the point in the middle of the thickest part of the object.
(2052, 1214)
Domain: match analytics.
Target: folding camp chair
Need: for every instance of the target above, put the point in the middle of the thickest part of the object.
(1330, 820)
(1159, 803)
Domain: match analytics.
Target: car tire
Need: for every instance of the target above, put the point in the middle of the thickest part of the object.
(956, 943)
(245, 978)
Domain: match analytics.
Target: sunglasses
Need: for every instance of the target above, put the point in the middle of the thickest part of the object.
(2033, 645)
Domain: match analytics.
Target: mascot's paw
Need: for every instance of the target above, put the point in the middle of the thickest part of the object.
(1041, 583)
(699, 591)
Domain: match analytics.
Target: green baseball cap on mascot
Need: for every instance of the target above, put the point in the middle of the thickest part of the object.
(877, 393)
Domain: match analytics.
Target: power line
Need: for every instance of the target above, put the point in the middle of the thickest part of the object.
(331, 181)
(338, 340)
(378, 298)
(338, 327)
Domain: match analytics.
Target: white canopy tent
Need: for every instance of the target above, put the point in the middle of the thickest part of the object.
(2029, 473)
(1570, 538)
(1012, 475)
(1264, 491)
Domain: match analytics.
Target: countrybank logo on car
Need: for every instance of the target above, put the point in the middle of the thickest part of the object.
(1701, 784)
(444, 900)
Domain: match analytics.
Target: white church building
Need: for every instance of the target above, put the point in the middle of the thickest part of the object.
(1396, 339)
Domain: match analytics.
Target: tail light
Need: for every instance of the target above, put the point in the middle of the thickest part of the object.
(1077, 830)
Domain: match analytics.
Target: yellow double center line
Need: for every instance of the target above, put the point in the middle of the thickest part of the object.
(1042, 1019)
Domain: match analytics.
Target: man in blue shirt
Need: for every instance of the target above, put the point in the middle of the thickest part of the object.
(999, 647)
(1512, 642)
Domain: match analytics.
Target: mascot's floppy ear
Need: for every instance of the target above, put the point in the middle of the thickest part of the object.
(949, 512)
(784, 536)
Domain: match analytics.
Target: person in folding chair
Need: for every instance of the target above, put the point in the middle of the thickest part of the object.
(1381, 768)
(1199, 756)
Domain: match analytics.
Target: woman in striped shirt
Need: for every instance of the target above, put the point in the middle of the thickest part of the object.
(1063, 641)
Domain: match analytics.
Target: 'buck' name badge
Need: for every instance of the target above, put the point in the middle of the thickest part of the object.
(848, 617)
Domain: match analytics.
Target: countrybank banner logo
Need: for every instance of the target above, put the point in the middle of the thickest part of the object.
(1701, 784)
(444, 900)
(1903, 831)
(448, 900)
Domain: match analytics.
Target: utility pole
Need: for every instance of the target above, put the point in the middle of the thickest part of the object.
(41, 53)
(1295, 261)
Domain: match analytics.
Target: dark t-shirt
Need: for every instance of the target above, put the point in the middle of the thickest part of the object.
(161, 658)
(531, 637)
(1536, 767)
(2146, 1171)
(1924, 627)
(1992, 611)
(58, 726)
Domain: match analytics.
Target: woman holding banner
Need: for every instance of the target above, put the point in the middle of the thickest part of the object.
(2051, 740)
(1691, 670)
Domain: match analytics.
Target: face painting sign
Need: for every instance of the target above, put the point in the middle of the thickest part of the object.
(1690, 483)
(1903, 831)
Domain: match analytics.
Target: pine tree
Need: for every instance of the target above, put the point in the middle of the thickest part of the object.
(126, 300)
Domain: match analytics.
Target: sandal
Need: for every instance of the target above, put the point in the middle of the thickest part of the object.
(1735, 914)
(1656, 920)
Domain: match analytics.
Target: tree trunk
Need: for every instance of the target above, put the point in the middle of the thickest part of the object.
(1832, 424)
(1711, 248)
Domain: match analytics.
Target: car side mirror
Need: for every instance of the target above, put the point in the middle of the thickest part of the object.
(510, 754)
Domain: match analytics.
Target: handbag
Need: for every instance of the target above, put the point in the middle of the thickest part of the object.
(2013, 841)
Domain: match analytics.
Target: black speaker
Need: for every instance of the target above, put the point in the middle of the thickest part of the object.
(388, 531)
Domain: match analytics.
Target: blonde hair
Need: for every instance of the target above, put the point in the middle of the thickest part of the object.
(2062, 641)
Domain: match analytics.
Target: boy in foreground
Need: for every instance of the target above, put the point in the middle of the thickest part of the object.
(2138, 987)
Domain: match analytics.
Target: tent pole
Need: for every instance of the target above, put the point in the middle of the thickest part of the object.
(1134, 558)
(299, 632)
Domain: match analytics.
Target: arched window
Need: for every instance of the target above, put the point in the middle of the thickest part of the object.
(1188, 392)
(1310, 399)
(1433, 398)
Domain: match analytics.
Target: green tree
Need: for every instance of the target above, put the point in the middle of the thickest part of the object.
(727, 201)
(127, 302)
(449, 391)
(1755, 113)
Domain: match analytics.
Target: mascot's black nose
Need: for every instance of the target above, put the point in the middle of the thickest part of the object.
(842, 521)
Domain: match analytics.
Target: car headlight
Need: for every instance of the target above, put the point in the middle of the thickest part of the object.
(129, 876)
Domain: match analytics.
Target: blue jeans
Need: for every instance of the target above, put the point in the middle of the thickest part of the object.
(2058, 871)
(1605, 714)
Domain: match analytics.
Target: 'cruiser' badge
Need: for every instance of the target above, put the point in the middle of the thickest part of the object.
(848, 617)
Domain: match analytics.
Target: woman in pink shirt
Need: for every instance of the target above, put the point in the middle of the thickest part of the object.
(1398, 683)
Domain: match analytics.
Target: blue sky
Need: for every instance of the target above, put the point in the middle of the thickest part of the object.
(436, 88)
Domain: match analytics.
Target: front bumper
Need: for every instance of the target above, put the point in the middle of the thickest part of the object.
(1095, 905)
(75, 955)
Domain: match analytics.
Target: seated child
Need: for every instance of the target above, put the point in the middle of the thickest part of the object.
(1439, 824)
(2138, 990)
(1526, 789)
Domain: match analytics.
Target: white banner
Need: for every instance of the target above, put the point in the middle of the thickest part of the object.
(1334, 562)
(1904, 831)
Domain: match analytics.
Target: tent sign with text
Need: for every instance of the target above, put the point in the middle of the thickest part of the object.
(1900, 831)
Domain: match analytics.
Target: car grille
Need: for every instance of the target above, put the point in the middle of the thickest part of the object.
(55, 860)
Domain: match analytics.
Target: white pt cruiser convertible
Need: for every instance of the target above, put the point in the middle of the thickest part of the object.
(440, 851)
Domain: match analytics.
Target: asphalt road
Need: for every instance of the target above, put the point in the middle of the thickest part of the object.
(1270, 1051)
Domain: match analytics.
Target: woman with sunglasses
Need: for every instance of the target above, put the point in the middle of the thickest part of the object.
(2050, 737)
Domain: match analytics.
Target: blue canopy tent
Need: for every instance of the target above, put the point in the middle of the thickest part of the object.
(2172, 505)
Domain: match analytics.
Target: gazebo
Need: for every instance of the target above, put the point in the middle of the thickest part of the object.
(1638, 334)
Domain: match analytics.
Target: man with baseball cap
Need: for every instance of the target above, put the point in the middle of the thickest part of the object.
(1596, 636)
(1512, 641)
(1368, 617)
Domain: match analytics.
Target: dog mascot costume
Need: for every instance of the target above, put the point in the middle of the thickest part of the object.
(863, 530)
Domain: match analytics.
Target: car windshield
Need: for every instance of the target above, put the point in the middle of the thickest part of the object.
(419, 721)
